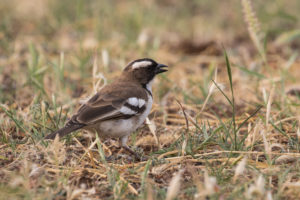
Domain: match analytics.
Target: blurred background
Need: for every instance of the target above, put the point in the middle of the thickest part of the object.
(56, 53)
(107, 24)
(170, 31)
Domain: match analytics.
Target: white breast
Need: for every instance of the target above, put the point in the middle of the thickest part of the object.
(146, 112)
(148, 105)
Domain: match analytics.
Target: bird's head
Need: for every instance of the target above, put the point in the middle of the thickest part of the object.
(144, 70)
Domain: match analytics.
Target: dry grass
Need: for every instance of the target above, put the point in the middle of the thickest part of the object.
(222, 127)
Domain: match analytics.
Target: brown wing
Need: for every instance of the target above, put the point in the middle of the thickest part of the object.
(108, 103)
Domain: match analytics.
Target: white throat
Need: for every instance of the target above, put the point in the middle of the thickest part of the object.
(149, 86)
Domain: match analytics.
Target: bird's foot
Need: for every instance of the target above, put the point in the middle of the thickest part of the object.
(118, 157)
(137, 155)
(110, 158)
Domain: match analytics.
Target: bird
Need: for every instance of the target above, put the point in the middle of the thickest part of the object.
(119, 108)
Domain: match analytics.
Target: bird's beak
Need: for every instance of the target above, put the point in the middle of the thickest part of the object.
(160, 68)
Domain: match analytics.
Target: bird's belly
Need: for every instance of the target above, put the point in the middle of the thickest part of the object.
(116, 128)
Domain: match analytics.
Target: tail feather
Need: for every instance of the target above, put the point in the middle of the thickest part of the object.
(65, 130)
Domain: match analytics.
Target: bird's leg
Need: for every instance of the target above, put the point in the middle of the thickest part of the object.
(123, 143)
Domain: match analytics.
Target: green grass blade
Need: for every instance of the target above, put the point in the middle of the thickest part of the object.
(250, 72)
(228, 66)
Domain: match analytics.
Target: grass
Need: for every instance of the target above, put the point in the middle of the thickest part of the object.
(225, 123)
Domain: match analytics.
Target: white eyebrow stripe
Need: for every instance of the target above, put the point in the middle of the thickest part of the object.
(141, 64)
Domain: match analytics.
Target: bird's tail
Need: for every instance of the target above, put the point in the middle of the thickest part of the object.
(70, 127)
